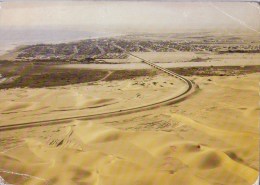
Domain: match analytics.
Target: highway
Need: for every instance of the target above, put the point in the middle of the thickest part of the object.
(67, 120)
(189, 83)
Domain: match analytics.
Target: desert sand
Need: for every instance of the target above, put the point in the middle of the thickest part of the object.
(50, 88)
(211, 138)
(23, 105)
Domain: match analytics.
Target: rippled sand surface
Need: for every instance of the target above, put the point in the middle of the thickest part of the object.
(210, 138)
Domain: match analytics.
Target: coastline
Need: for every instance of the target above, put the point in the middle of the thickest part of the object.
(13, 48)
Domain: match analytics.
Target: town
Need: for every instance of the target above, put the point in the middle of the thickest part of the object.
(87, 51)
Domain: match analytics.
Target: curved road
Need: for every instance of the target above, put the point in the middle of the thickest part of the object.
(190, 89)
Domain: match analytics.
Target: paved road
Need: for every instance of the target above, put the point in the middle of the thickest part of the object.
(67, 120)
(185, 80)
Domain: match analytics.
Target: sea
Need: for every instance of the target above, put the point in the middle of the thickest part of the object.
(11, 38)
(28, 23)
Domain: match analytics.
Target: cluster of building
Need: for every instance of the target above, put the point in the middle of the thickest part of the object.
(113, 48)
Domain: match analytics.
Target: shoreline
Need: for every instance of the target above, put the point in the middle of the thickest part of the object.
(14, 47)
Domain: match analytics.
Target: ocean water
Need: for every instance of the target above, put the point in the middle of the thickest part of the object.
(13, 37)
(62, 21)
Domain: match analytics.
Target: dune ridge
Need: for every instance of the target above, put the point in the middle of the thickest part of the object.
(111, 156)
(194, 142)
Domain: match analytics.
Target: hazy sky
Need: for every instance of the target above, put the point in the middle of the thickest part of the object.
(131, 16)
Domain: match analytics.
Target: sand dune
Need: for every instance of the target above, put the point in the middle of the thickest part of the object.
(111, 156)
(180, 144)
(84, 99)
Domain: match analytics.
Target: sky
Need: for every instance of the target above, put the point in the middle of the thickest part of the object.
(122, 16)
